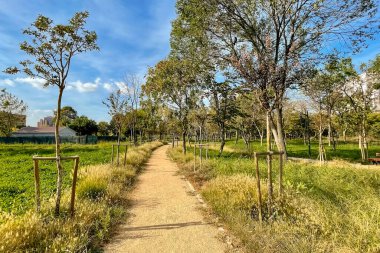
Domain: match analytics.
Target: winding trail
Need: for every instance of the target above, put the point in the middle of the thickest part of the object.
(165, 215)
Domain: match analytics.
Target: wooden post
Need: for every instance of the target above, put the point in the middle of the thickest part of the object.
(270, 189)
(259, 200)
(195, 156)
(280, 175)
(37, 184)
(73, 188)
(125, 156)
(112, 153)
(207, 152)
(200, 156)
(117, 154)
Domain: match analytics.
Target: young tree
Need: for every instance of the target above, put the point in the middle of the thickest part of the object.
(360, 94)
(11, 109)
(117, 109)
(326, 89)
(132, 91)
(173, 81)
(224, 107)
(52, 48)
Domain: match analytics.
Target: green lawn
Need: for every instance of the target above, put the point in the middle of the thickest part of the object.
(16, 170)
(296, 148)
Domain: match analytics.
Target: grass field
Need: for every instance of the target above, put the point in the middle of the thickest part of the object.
(329, 208)
(348, 151)
(102, 200)
(16, 171)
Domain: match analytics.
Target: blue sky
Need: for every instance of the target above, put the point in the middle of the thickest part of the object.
(132, 35)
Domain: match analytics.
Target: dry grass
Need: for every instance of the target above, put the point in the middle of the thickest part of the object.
(101, 205)
(329, 208)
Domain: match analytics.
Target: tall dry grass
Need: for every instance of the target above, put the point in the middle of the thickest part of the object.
(329, 208)
(101, 204)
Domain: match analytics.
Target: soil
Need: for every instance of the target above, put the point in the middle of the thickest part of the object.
(165, 215)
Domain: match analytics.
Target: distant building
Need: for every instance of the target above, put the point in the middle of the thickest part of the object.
(43, 131)
(46, 122)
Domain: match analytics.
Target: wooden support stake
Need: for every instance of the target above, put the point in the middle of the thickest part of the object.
(195, 156)
(73, 188)
(112, 154)
(125, 156)
(280, 175)
(37, 185)
(259, 202)
(270, 189)
(117, 154)
(200, 156)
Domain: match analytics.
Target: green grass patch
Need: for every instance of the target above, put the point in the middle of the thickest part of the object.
(16, 171)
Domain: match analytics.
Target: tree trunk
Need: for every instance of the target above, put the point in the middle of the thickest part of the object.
(269, 131)
(329, 126)
(344, 135)
(222, 136)
(184, 142)
(58, 154)
(280, 133)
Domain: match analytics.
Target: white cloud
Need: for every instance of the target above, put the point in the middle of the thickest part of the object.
(84, 87)
(122, 86)
(108, 87)
(35, 82)
(7, 82)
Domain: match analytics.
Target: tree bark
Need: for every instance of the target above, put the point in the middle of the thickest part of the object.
(58, 154)
(184, 141)
(280, 132)
(269, 148)
(329, 126)
(222, 142)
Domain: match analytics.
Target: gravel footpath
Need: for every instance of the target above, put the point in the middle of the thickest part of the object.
(165, 215)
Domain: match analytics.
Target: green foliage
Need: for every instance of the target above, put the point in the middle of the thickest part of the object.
(11, 110)
(84, 126)
(53, 46)
(104, 128)
(374, 124)
(68, 114)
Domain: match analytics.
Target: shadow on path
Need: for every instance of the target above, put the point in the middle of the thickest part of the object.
(167, 226)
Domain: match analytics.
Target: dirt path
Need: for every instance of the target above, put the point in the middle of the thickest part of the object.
(165, 216)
